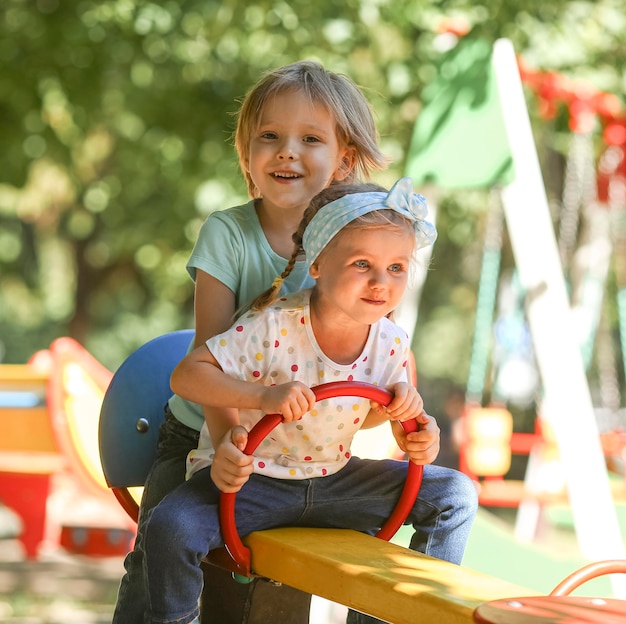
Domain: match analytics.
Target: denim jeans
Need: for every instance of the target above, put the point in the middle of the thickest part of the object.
(227, 601)
(184, 526)
(175, 441)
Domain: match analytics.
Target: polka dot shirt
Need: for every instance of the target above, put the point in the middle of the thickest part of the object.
(276, 346)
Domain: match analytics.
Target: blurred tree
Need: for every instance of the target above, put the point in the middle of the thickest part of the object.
(116, 118)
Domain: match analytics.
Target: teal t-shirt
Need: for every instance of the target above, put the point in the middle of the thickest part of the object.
(232, 248)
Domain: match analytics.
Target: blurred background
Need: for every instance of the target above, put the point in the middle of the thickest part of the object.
(116, 123)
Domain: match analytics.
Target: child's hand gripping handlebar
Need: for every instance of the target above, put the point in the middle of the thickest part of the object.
(241, 553)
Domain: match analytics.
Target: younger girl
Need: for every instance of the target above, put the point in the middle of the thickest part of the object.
(300, 129)
(358, 243)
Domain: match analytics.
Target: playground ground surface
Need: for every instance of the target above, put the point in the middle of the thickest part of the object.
(57, 588)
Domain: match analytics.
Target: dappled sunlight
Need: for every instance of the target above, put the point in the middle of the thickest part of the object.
(412, 573)
(361, 571)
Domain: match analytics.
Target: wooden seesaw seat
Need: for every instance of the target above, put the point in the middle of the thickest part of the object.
(371, 575)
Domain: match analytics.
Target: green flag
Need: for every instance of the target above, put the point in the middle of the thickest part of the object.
(459, 139)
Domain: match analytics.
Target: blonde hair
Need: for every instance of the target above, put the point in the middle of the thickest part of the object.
(376, 218)
(339, 94)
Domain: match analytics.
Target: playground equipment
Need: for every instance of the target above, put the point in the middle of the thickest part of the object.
(566, 405)
(565, 402)
(235, 547)
(559, 606)
(132, 410)
(49, 460)
(27, 459)
(360, 571)
(345, 566)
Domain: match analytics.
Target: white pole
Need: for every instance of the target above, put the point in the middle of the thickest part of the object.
(567, 403)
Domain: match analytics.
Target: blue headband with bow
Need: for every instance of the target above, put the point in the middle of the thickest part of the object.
(334, 216)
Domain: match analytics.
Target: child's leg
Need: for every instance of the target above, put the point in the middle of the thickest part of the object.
(184, 527)
(364, 493)
(179, 532)
(443, 514)
(175, 441)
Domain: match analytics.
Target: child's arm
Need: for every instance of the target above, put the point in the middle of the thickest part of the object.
(199, 378)
(214, 307)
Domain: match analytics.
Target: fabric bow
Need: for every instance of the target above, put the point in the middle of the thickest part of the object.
(335, 215)
(402, 199)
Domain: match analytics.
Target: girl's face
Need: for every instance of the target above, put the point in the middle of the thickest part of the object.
(362, 274)
(295, 152)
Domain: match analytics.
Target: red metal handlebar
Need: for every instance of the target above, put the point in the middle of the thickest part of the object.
(241, 553)
(588, 572)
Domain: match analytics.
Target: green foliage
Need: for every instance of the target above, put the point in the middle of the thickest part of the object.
(117, 115)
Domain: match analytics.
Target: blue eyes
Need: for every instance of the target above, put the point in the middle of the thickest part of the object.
(272, 136)
(393, 268)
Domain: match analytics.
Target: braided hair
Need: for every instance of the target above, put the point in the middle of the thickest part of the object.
(327, 195)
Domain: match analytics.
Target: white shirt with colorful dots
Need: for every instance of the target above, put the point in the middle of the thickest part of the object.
(276, 346)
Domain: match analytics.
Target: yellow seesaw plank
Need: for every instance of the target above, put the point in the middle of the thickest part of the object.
(373, 576)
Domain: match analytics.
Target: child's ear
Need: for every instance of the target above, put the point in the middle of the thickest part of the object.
(346, 165)
(314, 270)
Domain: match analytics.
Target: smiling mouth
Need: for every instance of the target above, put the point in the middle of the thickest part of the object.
(283, 175)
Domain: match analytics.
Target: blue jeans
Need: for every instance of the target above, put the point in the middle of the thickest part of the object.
(184, 526)
(228, 601)
(175, 441)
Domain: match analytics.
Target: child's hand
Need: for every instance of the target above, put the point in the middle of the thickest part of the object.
(407, 403)
(292, 400)
(422, 447)
(231, 467)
